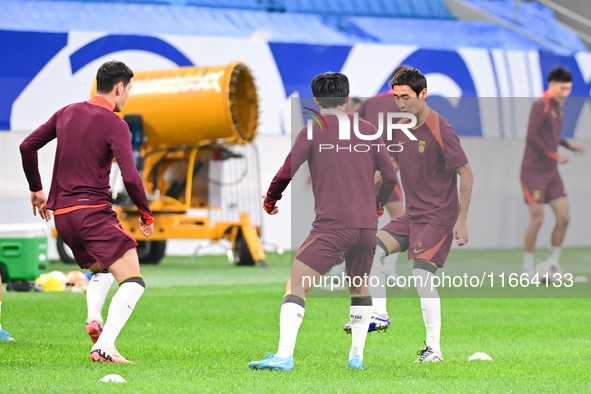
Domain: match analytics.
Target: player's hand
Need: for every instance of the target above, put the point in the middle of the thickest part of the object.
(39, 202)
(380, 208)
(580, 149)
(146, 229)
(562, 159)
(460, 232)
(377, 179)
(269, 205)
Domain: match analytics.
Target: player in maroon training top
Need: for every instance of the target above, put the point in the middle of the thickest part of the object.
(89, 135)
(540, 179)
(433, 215)
(370, 110)
(346, 209)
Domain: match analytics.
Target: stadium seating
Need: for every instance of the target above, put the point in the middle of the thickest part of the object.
(326, 21)
(457, 33)
(534, 17)
(428, 9)
(59, 16)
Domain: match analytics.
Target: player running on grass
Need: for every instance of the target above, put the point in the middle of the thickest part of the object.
(88, 136)
(539, 170)
(346, 221)
(433, 217)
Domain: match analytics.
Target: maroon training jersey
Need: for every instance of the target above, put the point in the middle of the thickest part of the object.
(343, 180)
(371, 108)
(427, 170)
(543, 136)
(88, 137)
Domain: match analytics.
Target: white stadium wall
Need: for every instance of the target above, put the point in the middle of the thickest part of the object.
(494, 146)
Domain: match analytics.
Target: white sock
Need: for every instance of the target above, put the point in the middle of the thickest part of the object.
(360, 318)
(290, 320)
(431, 307)
(0, 314)
(390, 264)
(122, 305)
(99, 286)
(554, 252)
(377, 283)
(528, 261)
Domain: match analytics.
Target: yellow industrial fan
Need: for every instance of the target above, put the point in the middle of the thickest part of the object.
(183, 122)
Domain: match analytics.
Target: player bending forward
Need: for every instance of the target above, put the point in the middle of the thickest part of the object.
(88, 136)
(346, 221)
(433, 217)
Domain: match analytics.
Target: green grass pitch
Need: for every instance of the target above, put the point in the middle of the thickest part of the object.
(200, 323)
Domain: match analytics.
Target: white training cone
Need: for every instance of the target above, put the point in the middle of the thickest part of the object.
(479, 356)
(113, 378)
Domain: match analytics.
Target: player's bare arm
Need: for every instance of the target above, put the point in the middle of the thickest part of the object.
(39, 202)
(460, 230)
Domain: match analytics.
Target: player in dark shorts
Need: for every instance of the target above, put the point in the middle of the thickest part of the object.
(347, 212)
(540, 178)
(433, 216)
(370, 110)
(89, 135)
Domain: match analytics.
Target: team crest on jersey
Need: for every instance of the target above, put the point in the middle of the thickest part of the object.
(536, 195)
(421, 146)
(553, 114)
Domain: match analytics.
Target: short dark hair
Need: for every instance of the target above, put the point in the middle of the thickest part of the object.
(330, 89)
(560, 74)
(397, 69)
(411, 77)
(110, 74)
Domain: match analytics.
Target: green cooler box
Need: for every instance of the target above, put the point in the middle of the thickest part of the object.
(23, 251)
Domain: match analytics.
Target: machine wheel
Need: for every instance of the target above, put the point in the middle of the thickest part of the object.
(242, 254)
(151, 252)
(64, 251)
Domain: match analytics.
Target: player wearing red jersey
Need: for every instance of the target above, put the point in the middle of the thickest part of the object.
(433, 215)
(89, 135)
(370, 110)
(540, 178)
